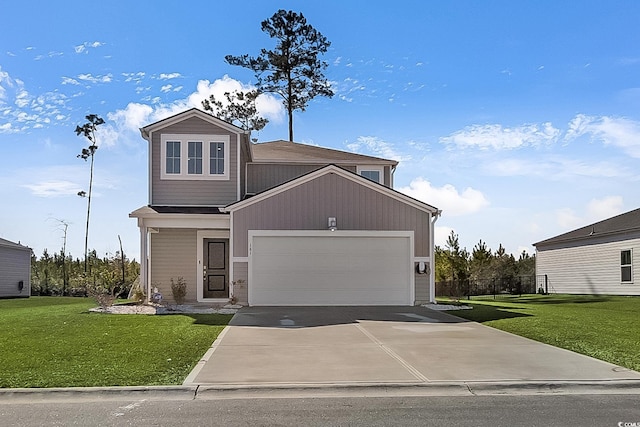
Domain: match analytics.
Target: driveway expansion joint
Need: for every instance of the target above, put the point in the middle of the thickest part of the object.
(416, 373)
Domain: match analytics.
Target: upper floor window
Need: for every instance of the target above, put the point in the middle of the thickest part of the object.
(186, 157)
(195, 158)
(626, 266)
(216, 157)
(173, 157)
(374, 173)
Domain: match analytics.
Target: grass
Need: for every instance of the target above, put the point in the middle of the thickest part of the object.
(604, 327)
(57, 342)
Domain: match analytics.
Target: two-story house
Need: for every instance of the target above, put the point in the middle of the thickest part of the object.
(278, 223)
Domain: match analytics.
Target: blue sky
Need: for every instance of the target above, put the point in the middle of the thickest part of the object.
(521, 120)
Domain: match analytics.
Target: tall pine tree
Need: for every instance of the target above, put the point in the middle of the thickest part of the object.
(292, 69)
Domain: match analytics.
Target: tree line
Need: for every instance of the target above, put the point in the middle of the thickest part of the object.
(481, 266)
(62, 275)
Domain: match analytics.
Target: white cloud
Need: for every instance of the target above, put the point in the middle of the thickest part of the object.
(134, 77)
(440, 235)
(133, 117)
(84, 47)
(166, 88)
(596, 210)
(447, 197)
(377, 147)
(95, 79)
(268, 105)
(168, 76)
(496, 137)
(619, 132)
(54, 188)
(69, 81)
(123, 125)
(606, 207)
(22, 98)
(8, 128)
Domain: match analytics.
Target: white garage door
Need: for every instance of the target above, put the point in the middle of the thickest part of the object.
(331, 268)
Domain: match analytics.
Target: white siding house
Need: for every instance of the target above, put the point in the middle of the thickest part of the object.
(15, 270)
(601, 258)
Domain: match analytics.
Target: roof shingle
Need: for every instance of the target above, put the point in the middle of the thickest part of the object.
(284, 151)
(622, 223)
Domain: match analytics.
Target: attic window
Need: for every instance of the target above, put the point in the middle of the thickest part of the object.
(194, 157)
(626, 266)
(374, 173)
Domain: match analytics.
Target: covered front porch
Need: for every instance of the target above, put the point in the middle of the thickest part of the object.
(191, 244)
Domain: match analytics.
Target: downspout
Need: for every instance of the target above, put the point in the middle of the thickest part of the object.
(393, 170)
(432, 258)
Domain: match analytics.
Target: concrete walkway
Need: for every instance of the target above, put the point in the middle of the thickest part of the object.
(343, 346)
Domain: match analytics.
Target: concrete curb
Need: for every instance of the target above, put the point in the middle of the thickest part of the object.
(237, 391)
(97, 393)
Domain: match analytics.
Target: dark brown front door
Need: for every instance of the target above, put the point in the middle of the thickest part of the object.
(216, 268)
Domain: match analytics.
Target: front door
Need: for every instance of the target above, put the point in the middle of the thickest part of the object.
(216, 268)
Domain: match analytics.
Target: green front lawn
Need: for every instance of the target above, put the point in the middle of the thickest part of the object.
(604, 327)
(57, 342)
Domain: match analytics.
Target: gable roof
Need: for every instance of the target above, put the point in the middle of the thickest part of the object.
(394, 194)
(193, 112)
(623, 223)
(10, 244)
(285, 151)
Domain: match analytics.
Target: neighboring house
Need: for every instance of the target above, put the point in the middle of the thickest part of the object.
(15, 270)
(278, 223)
(596, 259)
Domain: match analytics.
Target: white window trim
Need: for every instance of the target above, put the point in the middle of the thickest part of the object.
(380, 169)
(630, 282)
(184, 156)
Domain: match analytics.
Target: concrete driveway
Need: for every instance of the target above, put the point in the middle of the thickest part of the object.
(270, 346)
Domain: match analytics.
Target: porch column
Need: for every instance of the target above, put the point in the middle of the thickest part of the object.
(144, 258)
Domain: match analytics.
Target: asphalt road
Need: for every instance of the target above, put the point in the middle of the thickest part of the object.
(520, 410)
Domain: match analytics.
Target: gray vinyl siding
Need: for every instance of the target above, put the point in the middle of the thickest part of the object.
(261, 177)
(387, 176)
(590, 268)
(15, 265)
(193, 192)
(422, 288)
(308, 205)
(174, 254)
(240, 290)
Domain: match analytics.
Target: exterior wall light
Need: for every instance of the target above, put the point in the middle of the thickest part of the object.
(333, 224)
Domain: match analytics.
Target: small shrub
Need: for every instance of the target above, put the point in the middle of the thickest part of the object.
(179, 290)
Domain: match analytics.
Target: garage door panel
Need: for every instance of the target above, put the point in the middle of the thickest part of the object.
(330, 270)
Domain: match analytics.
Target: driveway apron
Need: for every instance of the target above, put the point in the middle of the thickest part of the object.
(381, 345)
